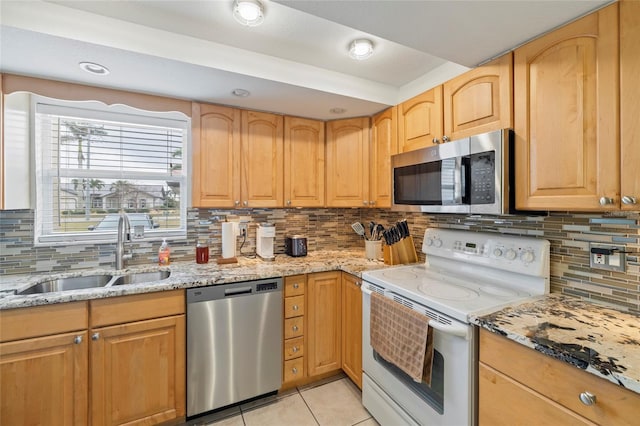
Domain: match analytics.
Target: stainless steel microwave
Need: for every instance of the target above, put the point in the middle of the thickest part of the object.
(470, 175)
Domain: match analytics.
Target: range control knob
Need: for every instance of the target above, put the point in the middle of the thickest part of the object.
(429, 241)
(510, 254)
(497, 252)
(437, 242)
(528, 256)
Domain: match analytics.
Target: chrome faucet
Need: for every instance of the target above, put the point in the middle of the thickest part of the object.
(124, 234)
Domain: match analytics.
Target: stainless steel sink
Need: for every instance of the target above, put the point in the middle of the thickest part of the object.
(141, 277)
(74, 283)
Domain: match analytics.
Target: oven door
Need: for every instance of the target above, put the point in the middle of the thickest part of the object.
(451, 397)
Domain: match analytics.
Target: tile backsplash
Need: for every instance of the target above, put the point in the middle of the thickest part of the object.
(569, 234)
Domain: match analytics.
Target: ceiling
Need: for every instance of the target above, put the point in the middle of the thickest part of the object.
(295, 63)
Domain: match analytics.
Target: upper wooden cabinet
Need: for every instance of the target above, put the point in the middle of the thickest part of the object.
(629, 104)
(216, 155)
(420, 120)
(348, 162)
(566, 116)
(384, 143)
(262, 160)
(237, 157)
(303, 162)
(479, 100)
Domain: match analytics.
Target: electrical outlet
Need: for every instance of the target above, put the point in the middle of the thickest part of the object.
(607, 256)
(242, 229)
(599, 259)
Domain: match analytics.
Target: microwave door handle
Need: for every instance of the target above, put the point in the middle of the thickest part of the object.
(457, 181)
(453, 329)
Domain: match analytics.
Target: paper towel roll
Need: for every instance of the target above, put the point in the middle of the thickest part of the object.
(228, 240)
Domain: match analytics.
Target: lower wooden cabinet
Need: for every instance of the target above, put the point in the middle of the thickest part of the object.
(352, 328)
(324, 322)
(518, 385)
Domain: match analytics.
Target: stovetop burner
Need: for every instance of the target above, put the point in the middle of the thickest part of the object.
(402, 274)
(448, 291)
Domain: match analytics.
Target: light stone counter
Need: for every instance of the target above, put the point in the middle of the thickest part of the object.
(187, 275)
(594, 338)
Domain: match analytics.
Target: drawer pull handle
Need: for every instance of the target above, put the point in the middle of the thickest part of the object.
(294, 328)
(294, 370)
(587, 398)
(294, 349)
(295, 307)
(296, 285)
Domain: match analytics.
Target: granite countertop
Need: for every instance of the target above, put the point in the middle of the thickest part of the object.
(597, 339)
(187, 275)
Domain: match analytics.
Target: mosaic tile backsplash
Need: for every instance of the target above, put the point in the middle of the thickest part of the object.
(569, 234)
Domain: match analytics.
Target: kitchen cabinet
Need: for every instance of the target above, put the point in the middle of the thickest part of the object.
(518, 385)
(324, 308)
(420, 120)
(294, 335)
(304, 162)
(479, 100)
(629, 105)
(384, 144)
(352, 328)
(347, 167)
(566, 99)
(44, 365)
(237, 157)
(138, 359)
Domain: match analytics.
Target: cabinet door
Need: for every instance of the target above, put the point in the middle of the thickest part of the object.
(323, 326)
(216, 156)
(566, 116)
(629, 105)
(420, 120)
(348, 162)
(303, 162)
(262, 159)
(479, 100)
(352, 328)
(138, 372)
(44, 380)
(384, 143)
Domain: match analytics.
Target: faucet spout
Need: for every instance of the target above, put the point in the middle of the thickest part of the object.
(124, 235)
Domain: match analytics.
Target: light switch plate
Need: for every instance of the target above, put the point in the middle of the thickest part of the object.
(613, 262)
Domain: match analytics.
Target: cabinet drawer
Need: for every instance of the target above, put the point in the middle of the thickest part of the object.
(120, 310)
(293, 306)
(293, 348)
(293, 327)
(23, 323)
(559, 381)
(293, 369)
(294, 285)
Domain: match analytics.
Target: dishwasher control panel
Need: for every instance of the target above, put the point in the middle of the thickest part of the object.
(267, 286)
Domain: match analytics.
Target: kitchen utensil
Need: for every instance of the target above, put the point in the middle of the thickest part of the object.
(379, 231)
(357, 226)
(372, 228)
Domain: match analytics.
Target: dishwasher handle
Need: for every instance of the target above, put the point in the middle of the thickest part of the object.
(237, 291)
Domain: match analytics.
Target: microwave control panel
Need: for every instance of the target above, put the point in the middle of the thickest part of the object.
(482, 177)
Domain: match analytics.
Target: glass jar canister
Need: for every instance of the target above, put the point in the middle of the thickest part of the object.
(202, 252)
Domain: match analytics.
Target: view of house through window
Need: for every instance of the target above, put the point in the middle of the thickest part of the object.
(92, 165)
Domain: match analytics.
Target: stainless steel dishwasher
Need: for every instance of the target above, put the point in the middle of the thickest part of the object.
(234, 343)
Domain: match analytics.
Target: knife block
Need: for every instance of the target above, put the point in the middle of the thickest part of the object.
(401, 252)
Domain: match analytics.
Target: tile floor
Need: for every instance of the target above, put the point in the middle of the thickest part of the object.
(333, 402)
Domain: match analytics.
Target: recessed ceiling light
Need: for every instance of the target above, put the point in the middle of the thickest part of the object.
(93, 68)
(241, 93)
(361, 49)
(337, 110)
(248, 12)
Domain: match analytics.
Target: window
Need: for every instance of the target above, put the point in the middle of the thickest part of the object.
(94, 162)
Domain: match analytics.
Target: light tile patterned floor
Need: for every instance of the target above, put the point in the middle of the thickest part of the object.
(333, 402)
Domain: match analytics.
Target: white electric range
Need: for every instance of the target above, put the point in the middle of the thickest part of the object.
(465, 273)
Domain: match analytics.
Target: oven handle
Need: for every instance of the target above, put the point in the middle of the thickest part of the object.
(453, 329)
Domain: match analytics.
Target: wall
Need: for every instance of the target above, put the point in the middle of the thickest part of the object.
(569, 234)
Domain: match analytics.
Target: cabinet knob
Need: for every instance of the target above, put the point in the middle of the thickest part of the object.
(77, 340)
(95, 336)
(435, 141)
(372, 203)
(605, 201)
(365, 202)
(295, 307)
(294, 370)
(587, 398)
(628, 199)
(237, 202)
(294, 328)
(296, 285)
(294, 349)
(445, 138)
(288, 202)
(358, 283)
(245, 203)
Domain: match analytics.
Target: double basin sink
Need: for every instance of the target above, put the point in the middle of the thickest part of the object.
(93, 281)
